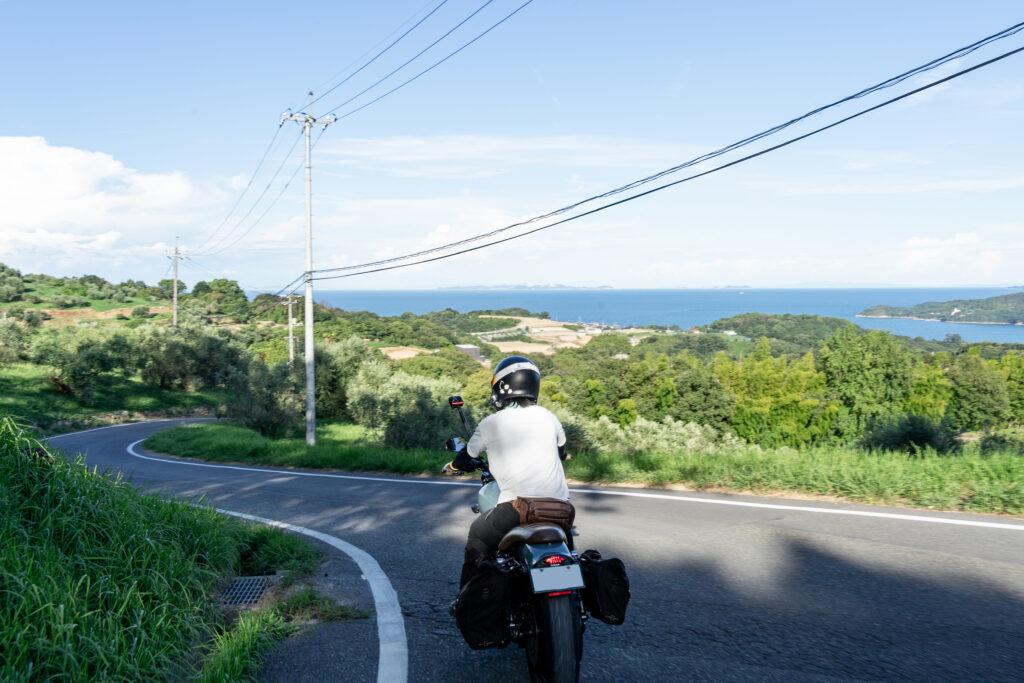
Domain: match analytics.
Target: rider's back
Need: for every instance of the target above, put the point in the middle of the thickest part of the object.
(522, 452)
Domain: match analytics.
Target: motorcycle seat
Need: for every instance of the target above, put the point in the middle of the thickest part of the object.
(532, 533)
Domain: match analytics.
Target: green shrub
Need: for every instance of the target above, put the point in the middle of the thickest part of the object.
(911, 434)
(266, 398)
(602, 435)
(336, 365)
(400, 410)
(1002, 443)
(140, 312)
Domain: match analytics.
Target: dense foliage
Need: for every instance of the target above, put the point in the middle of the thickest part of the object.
(782, 380)
(103, 583)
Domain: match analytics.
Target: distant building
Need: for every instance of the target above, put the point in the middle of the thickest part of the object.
(729, 333)
(471, 350)
(694, 330)
(621, 356)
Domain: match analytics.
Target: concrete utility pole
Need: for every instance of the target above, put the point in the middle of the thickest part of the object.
(307, 121)
(291, 322)
(174, 294)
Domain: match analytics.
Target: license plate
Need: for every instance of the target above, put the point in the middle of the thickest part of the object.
(547, 579)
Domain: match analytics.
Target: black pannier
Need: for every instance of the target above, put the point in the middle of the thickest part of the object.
(607, 587)
(481, 610)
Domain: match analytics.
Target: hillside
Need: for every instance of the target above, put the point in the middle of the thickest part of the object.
(1007, 309)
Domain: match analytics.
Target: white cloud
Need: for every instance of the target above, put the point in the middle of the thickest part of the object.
(47, 187)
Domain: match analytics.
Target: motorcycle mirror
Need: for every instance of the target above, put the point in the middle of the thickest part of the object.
(455, 401)
(455, 444)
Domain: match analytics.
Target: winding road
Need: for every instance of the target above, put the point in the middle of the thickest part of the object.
(724, 587)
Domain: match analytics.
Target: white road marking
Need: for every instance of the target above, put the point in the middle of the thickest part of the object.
(801, 508)
(393, 660)
(124, 424)
(628, 494)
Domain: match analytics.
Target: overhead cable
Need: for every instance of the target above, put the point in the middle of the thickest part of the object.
(929, 66)
(270, 206)
(244, 190)
(688, 178)
(219, 246)
(379, 54)
(429, 68)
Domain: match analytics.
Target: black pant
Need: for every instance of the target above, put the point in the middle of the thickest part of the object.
(489, 528)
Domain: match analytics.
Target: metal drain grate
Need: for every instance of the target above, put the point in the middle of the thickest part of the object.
(245, 590)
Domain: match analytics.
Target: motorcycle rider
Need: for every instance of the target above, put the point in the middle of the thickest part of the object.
(525, 444)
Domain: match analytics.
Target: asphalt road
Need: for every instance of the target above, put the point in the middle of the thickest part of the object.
(721, 589)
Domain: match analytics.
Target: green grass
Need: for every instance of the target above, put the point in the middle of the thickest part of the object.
(236, 654)
(27, 393)
(305, 604)
(338, 447)
(101, 582)
(970, 482)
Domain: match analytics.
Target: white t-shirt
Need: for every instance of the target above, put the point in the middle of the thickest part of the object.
(522, 452)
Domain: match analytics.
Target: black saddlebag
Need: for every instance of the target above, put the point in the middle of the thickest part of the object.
(607, 587)
(481, 610)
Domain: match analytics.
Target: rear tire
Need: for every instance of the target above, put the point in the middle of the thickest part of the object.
(555, 649)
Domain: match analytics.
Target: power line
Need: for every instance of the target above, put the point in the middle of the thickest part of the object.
(688, 178)
(379, 54)
(368, 51)
(431, 67)
(244, 190)
(929, 66)
(217, 248)
(270, 206)
(291, 285)
(216, 275)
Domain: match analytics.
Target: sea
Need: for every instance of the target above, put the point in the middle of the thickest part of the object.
(687, 307)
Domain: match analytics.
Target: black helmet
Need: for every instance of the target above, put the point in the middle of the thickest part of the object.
(514, 377)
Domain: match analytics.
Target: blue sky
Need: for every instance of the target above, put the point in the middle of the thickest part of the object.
(123, 125)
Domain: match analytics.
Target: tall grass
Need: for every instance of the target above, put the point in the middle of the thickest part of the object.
(97, 580)
(237, 653)
(970, 481)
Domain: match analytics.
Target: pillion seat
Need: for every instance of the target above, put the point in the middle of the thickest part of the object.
(532, 533)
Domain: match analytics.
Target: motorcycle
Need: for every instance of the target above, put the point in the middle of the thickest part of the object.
(545, 616)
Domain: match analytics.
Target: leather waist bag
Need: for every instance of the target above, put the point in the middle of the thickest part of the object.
(545, 511)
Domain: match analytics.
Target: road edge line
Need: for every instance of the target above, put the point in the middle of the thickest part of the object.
(393, 659)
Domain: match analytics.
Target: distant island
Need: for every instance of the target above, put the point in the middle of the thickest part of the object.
(1007, 309)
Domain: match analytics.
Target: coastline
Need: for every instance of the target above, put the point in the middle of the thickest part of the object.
(933, 320)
